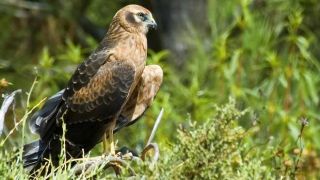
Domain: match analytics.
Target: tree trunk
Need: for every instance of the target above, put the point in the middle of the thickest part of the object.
(176, 19)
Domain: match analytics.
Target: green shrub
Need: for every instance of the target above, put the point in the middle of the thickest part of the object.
(216, 149)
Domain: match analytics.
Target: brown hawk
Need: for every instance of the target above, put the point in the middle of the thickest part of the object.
(110, 90)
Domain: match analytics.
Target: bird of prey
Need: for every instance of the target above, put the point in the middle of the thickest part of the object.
(108, 91)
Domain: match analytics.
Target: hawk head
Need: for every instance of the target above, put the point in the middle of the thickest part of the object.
(135, 19)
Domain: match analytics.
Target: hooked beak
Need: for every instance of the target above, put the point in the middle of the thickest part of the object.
(152, 23)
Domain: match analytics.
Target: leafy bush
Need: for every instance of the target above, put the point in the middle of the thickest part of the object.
(216, 149)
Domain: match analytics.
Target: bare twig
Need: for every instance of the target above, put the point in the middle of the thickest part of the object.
(19, 122)
(304, 122)
(155, 127)
(8, 100)
(150, 146)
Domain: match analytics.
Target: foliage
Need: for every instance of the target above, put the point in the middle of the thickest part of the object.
(264, 56)
(213, 150)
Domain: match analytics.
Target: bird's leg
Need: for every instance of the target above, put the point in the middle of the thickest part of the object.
(111, 142)
(105, 143)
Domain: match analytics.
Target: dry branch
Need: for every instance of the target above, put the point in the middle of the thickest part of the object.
(8, 100)
(150, 146)
(155, 127)
(104, 161)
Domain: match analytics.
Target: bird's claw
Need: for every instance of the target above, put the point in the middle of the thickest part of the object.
(127, 156)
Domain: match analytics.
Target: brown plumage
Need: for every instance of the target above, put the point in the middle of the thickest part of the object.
(109, 85)
(141, 97)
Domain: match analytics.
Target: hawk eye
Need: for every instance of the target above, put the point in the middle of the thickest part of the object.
(142, 16)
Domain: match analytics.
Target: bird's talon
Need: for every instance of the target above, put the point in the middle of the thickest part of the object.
(127, 156)
(119, 155)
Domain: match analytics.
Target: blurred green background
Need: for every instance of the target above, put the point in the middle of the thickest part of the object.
(263, 53)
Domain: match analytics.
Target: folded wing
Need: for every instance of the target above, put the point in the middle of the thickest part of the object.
(142, 96)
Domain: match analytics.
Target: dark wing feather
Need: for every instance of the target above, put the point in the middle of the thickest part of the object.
(95, 92)
(102, 96)
(43, 120)
(85, 71)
